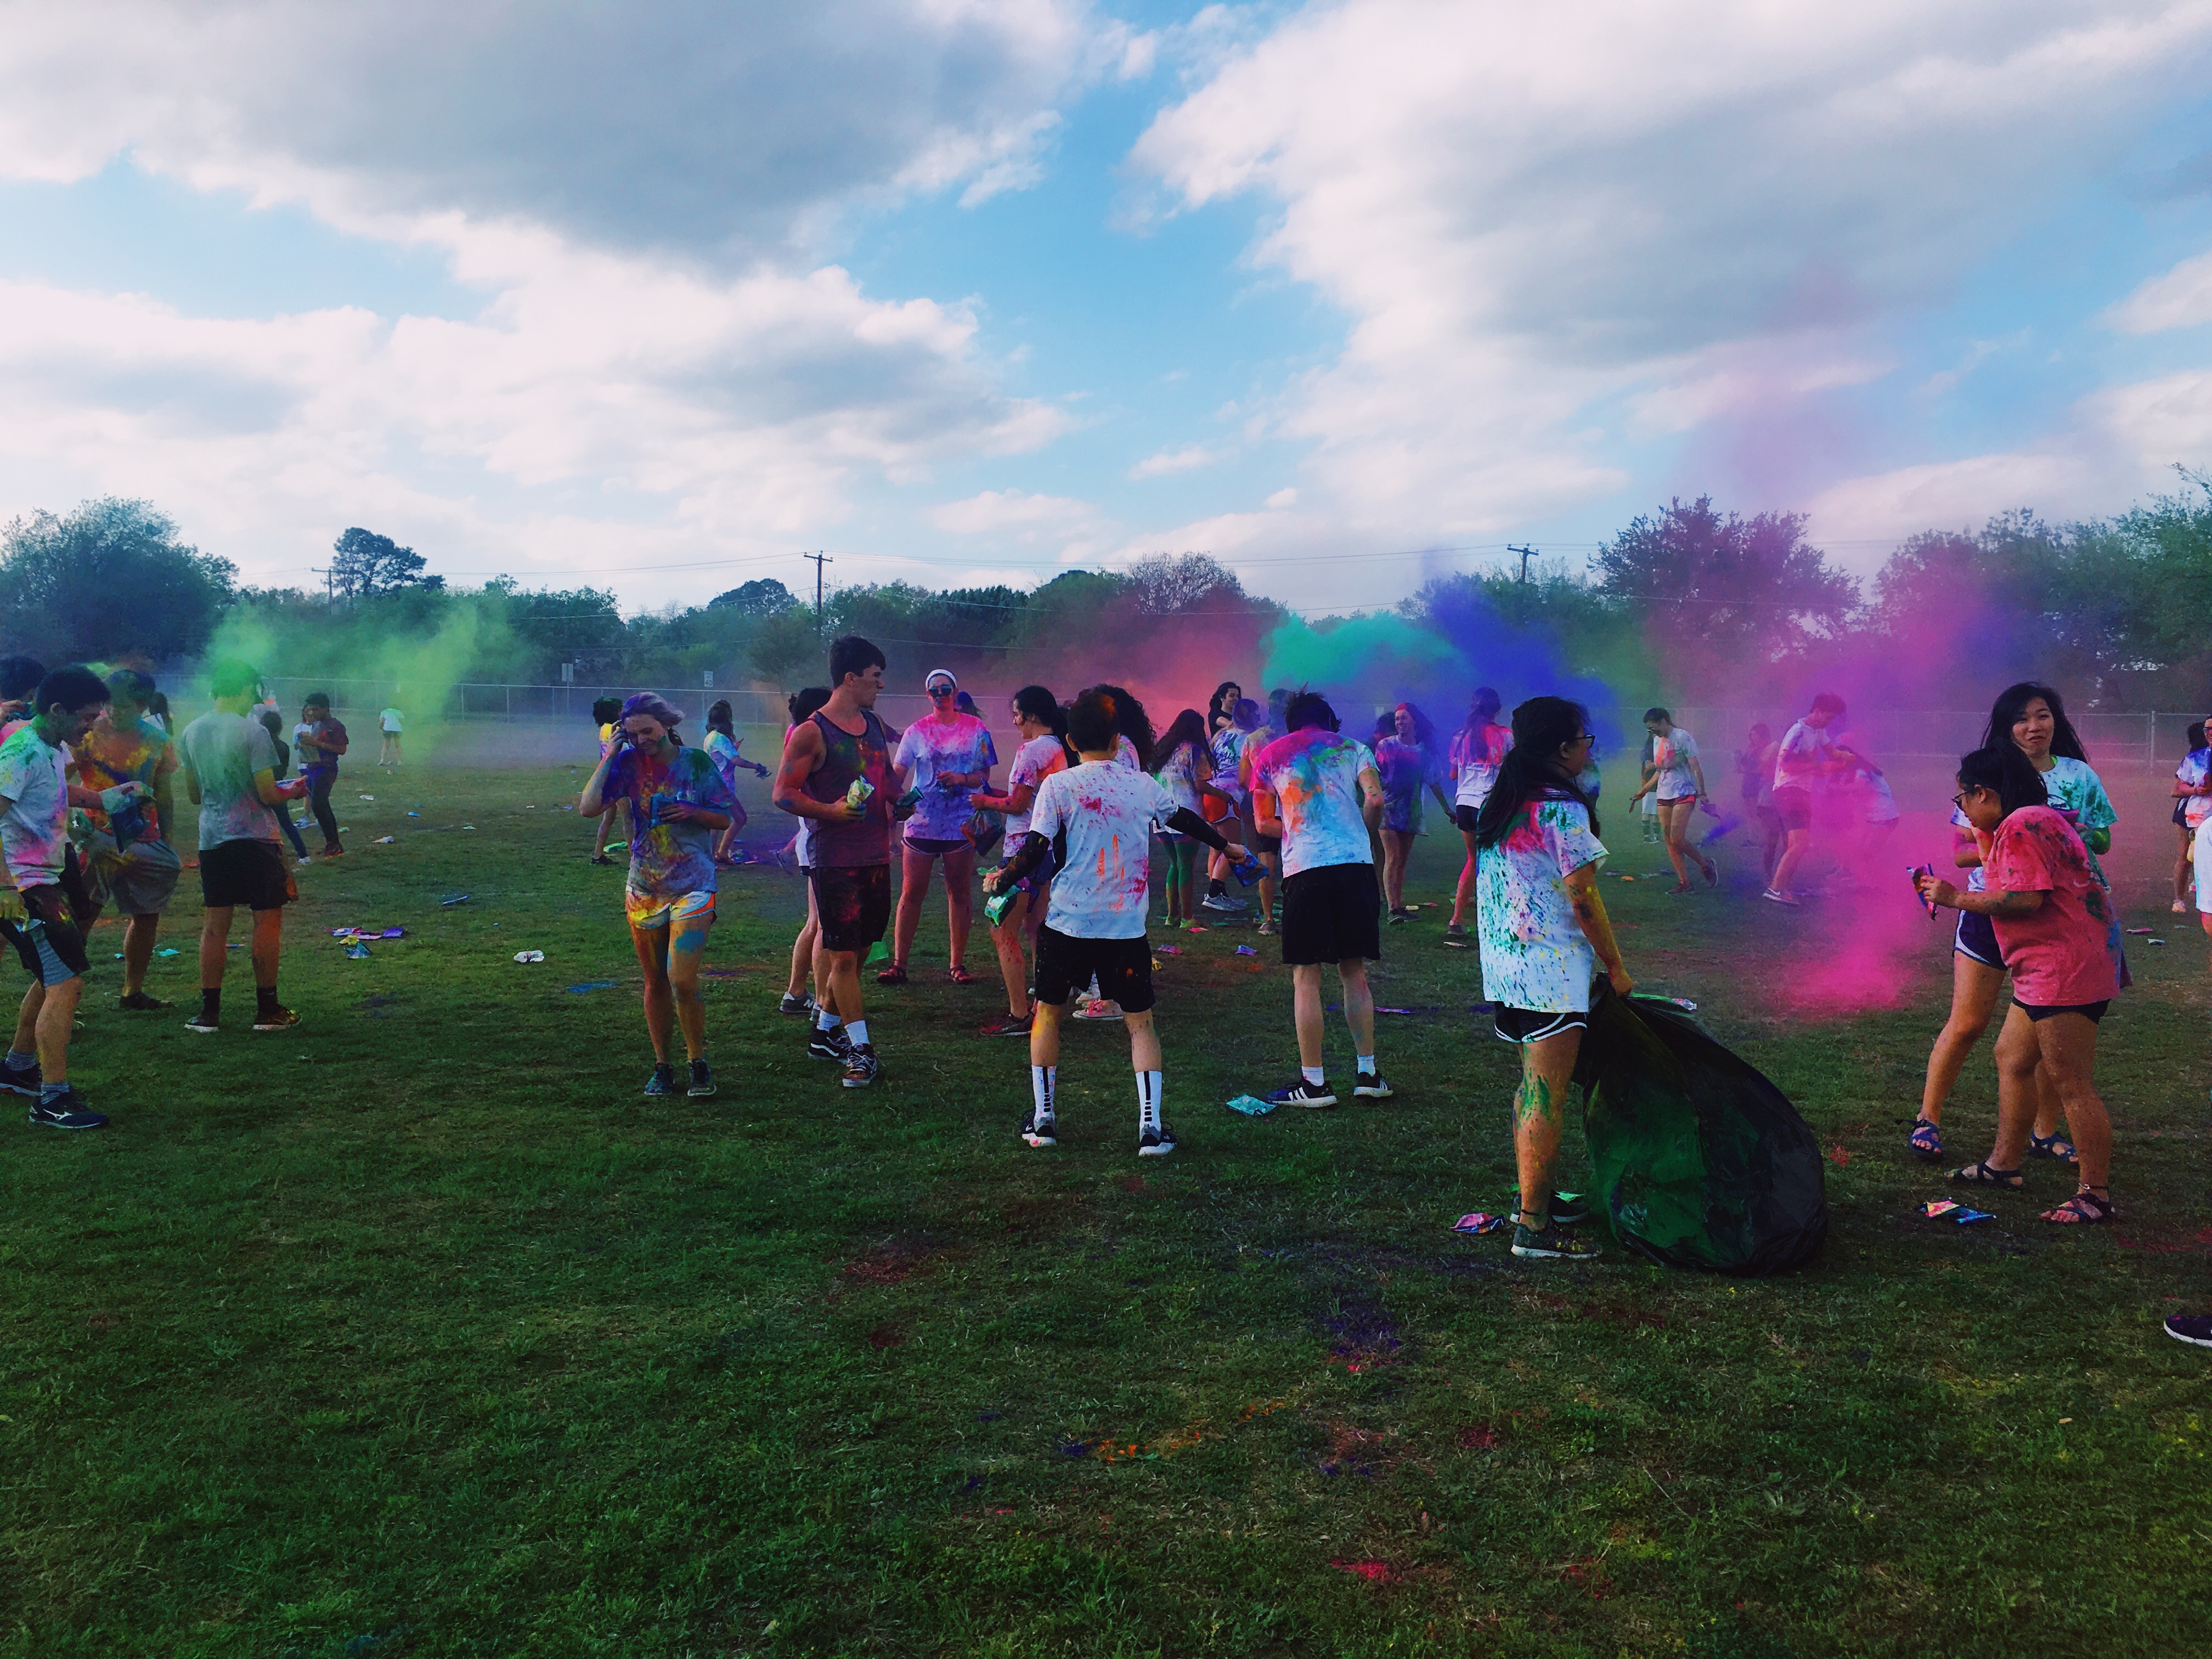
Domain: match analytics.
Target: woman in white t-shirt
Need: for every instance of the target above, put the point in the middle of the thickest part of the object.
(2192, 805)
(1043, 724)
(799, 995)
(1183, 764)
(1544, 936)
(1478, 748)
(391, 724)
(1676, 780)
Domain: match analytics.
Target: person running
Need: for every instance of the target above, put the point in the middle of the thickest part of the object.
(2031, 717)
(1408, 761)
(801, 994)
(1043, 724)
(2053, 920)
(1227, 799)
(1754, 770)
(677, 802)
(228, 763)
(1183, 764)
(322, 741)
(1806, 758)
(723, 747)
(945, 756)
(2192, 805)
(389, 724)
(1098, 816)
(1478, 748)
(36, 914)
(606, 714)
(837, 772)
(1544, 937)
(273, 724)
(1675, 779)
(1320, 793)
(1267, 848)
(129, 858)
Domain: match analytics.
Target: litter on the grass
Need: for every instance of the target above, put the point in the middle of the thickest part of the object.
(1479, 1222)
(530, 955)
(1380, 1010)
(1938, 1206)
(383, 841)
(618, 847)
(1965, 1215)
(2138, 930)
(167, 951)
(357, 950)
(1251, 1106)
(451, 899)
(1170, 950)
(1246, 951)
(414, 814)
(369, 798)
(2154, 941)
(593, 985)
(468, 826)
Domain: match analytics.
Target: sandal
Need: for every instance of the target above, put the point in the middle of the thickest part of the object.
(1927, 1141)
(894, 974)
(1988, 1175)
(2052, 1147)
(2084, 1209)
(959, 976)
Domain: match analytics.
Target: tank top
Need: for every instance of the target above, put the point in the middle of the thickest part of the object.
(846, 756)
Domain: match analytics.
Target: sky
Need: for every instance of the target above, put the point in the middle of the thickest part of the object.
(1346, 295)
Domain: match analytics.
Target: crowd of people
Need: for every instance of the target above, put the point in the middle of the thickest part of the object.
(1278, 795)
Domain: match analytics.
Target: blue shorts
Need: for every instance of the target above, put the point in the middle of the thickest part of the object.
(1978, 939)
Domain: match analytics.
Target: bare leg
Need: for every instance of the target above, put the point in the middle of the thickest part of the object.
(651, 947)
(607, 827)
(139, 934)
(1974, 987)
(1044, 1034)
(2019, 1053)
(1359, 1004)
(1395, 843)
(56, 1020)
(1548, 1067)
(215, 937)
(1674, 824)
(1795, 846)
(687, 949)
(1466, 889)
(1144, 1041)
(959, 901)
(26, 1040)
(1305, 1011)
(2068, 1045)
(802, 948)
(2181, 883)
(1006, 941)
(914, 887)
(268, 945)
(837, 979)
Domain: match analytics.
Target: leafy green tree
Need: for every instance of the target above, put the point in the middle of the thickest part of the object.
(364, 563)
(1728, 588)
(765, 597)
(110, 579)
(785, 649)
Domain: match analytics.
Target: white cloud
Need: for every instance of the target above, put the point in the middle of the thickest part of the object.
(1076, 529)
(2182, 298)
(1174, 460)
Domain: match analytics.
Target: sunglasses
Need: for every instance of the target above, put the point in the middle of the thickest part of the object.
(944, 690)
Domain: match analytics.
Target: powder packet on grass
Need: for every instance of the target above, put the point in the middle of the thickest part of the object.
(1246, 951)
(1479, 1222)
(1938, 1206)
(1251, 1106)
(530, 955)
(1965, 1216)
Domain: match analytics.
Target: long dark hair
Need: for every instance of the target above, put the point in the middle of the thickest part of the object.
(1187, 730)
(801, 705)
(2006, 711)
(1542, 727)
(1424, 729)
(1218, 713)
(1036, 703)
(2003, 767)
(721, 718)
(1482, 714)
(1131, 720)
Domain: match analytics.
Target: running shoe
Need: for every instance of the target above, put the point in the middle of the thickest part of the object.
(702, 1081)
(202, 1023)
(275, 1019)
(1156, 1143)
(334, 852)
(2180, 909)
(1790, 899)
(663, 1080)
(1554, 1243)
(1303, 1093)
(1455, 936)
(1712, 873)
(66, 1110)
(792, 1004)
(303, 860)
(1009, 1025)
(1221, 902)
(1399, 914)
(831, 1044)
(25, 1081)
(1677, 890)
(597, 858)
(1568, 1209)
(1037, 1127)
(139, 1002)
(2195, 1329)
(860, 1067)
(1099, 1008)
(1369, 1086)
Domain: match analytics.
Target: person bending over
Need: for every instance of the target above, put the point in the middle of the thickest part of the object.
(606, 715)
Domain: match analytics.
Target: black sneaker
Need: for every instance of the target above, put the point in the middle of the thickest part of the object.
(139, 1002)
(792, 1004)
(203, 1024)
(663, 1080)
(860, 1067)
(1570, 1209)
(27, 1081)
(1037, 1127)
(597, 858)
(1455, 936)
(275, 1019)
(1555, 1243)
(1303, 1093)
(2196, 1329)
(66, 1110)
(1156, 1143)
(1221, 903)
(1369, 1086)
(702, 1081)
(831, 1044)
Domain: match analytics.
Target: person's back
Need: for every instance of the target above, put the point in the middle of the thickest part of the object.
(1100, 817)
(224, 751)
(1314, 776)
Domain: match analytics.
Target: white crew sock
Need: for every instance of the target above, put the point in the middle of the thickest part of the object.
(1043, 1079)
(858, 1030)
(1366, 1065)
(1313, 1074)
(1148, 1100)
(824, 1020)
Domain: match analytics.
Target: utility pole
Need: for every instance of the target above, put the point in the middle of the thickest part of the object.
(1527, 553)
(330, 576)
(817, 559)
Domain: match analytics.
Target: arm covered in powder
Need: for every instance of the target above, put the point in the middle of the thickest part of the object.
(1597, 927)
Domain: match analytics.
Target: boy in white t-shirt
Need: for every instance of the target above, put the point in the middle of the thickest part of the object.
(1100, 815)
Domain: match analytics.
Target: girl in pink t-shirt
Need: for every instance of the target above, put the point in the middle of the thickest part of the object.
(2053, 922)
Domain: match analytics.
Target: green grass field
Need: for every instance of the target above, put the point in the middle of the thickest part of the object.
(417, 1331)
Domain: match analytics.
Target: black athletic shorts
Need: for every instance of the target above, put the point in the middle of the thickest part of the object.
(853, 903)
(253, 873)
(1065, 965)
(2093, 1011)
(48, 941)
(1531, 1024)
(1794, 806)
(1464, 816)
(1253, 838)
(1977, 938)
(1332, 913)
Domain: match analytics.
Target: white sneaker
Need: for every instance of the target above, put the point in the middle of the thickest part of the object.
(1156, 1143)
(1790, 899)
(1099, 1008)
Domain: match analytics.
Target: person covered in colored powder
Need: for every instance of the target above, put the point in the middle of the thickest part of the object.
(128, 859)
(1805, 758)
(2192, 805)
(837, 772)
(1183, 764)
(606, 715)
(36, 916)
(1544, 936)
(801, 994)
(1409, 761)
(1094, 822)
(2053, 922)
(228, 763)
(944, 758)
(1229, 798)
(1321, 794)
(322, 740)
(273, 723)
(723, 748)
(677, 801)
(390, 724)
(1043, 724)
(1675, 779)
(1478, 748)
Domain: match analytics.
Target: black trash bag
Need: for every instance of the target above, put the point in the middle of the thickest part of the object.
(1701, 1161)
